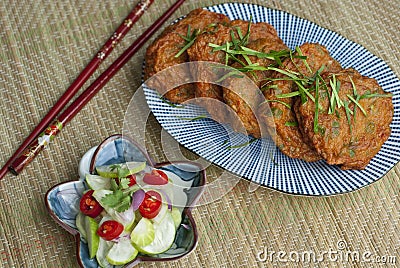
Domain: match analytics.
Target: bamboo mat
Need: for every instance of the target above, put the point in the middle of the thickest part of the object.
(43, 47)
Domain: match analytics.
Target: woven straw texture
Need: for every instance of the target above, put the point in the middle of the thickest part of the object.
(43, 47)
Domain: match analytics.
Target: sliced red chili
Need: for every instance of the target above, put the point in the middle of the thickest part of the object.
(151, 205)
(132, 180)
(110, 229)
(89, 205)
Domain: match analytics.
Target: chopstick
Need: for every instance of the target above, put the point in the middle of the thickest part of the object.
(87, 72)
(22, 158)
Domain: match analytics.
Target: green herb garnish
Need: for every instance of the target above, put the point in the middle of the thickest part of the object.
(348, 113)
(304, 93)
(316, 105)
(237, 46)
(353, 86)
(227, 55)
(236, 42)
(114, 167)
(375, 95)
(192, 118)
(281, 102)
(252, 67)
(122, 172)
(232, 74)
(242, 145)
(117, 200)
(357, 103)
(171, 104)
(245, 39)
(272, 55)
(304, 80)
(298, 50)
(288, 95)
(267, 86)
(335, 100)
(276, 112)
(355, 107)
(291, 124)
(291, 74)
(189, 39)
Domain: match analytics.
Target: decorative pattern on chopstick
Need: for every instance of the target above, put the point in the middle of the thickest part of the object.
(92, 90)
(73, 89)
(123, 29)
(36, 146)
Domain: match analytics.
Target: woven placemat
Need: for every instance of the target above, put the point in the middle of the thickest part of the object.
(43, 47)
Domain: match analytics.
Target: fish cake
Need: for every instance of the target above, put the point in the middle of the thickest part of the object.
(346, 136)
(202, 51)
(274, 113)
(161, 54)
(245, 99)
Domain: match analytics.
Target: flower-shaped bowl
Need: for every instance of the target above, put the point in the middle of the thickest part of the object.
(62, 200)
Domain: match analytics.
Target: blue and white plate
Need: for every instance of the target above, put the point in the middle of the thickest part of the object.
(260, 162)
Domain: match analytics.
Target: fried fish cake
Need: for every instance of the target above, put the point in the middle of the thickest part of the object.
(347, 135)
(162, 53)
(207, 94)
(202, 51)
(278, 112)
(257, 30)
(245, 99)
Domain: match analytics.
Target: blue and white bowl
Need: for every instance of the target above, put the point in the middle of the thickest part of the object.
(63, 199)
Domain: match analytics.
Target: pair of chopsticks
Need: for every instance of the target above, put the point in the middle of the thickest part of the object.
(52, 124)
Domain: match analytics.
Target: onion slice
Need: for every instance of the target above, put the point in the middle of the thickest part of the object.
(169, 202)
(137, 199)
(116, 240)
(186, 226)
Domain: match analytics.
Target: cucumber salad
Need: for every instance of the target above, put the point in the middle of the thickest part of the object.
(126, 211)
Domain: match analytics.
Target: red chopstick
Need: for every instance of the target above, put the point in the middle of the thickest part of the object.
(54, 128)
(93, 65)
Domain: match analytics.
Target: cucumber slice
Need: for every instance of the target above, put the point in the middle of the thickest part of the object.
(92, 237)
(138, 217)
(97, 182)
(161, 214)
(102, 251)
(143, 234)
(120, 170)
(134, 167)
(122, 252)
(163, 239)
(126, 218)
(176, 216)
(80, 224)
